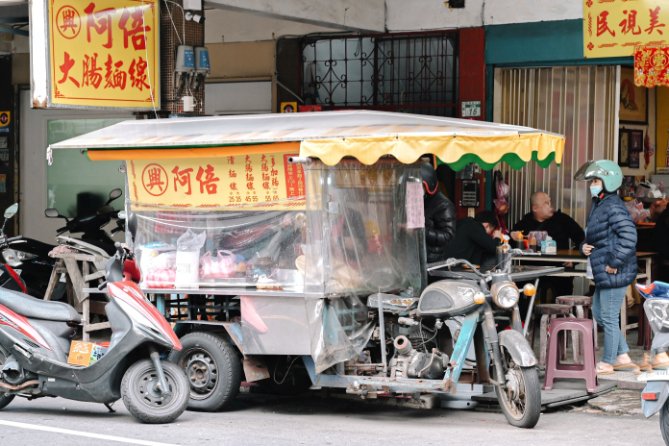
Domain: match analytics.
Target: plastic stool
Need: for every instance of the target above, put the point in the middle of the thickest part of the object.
(581, 308)
(547, 312)
(579, 303)
(556, 369)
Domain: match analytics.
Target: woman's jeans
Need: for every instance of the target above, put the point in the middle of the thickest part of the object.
(606, 304)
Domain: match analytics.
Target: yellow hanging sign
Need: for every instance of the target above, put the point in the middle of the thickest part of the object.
(104, 53)
(613, 28)
(242, 182)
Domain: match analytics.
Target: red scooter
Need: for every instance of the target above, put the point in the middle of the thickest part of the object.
(35, 338)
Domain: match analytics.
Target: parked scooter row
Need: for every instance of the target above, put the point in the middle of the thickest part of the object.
(27, 264)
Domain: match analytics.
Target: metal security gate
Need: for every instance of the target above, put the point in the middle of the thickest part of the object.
(578, 102)
(414, 73)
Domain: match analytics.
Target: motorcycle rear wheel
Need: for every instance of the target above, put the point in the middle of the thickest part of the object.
(4, 398)
(520, 399)
(664, 422)
(142, 398)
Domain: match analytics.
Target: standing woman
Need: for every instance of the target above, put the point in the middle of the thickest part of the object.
(610, 244)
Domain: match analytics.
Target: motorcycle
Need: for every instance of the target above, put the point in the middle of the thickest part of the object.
(474, 297)
(655, 395)
(27, 266)
(35, 336)
(92, 227)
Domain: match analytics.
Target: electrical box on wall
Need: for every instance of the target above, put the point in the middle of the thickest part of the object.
(192, 5)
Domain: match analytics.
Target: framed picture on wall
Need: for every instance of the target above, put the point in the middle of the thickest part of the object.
(633, 99)
(623, 147)
(635, 148)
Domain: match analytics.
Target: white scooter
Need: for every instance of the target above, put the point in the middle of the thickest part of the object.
(655, 396)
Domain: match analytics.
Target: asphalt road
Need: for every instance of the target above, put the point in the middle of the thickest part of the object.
(312, 420)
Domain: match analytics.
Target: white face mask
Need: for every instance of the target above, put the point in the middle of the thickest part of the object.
(595, 190)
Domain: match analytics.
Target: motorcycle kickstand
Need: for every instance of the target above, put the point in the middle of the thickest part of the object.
(109, 407)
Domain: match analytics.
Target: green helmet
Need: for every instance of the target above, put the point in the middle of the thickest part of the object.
(606, 170)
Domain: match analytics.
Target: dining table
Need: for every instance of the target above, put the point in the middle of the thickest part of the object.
(574, 263)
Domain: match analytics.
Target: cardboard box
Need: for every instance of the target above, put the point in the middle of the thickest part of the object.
(85, 353)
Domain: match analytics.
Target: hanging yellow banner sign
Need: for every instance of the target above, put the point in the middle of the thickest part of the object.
(612, 28)
(104, 53)
(243, 182)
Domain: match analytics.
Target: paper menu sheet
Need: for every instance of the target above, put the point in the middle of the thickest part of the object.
(414, 206)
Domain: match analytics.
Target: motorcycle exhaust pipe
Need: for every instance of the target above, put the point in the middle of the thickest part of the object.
(21, 386)
(402, 345)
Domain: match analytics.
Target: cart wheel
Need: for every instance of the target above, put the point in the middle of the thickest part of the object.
(4, 398)
(213, 368)
(520, 400)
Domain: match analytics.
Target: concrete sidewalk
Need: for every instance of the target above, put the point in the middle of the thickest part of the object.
(625, 399)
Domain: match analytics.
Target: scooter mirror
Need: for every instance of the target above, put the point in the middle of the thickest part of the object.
(51, 213)
(115, 193)
(11, 210)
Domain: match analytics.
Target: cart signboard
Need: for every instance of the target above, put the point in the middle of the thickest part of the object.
(242, 182)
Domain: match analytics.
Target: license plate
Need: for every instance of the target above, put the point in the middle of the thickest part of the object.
(655, 375)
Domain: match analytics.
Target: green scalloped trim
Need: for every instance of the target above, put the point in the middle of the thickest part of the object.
(513, 160)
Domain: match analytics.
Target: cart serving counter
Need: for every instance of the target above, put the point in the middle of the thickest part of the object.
(308, 230)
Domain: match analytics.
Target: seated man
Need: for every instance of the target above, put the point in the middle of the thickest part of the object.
(560, 227)
(544, 217)
(476, 239)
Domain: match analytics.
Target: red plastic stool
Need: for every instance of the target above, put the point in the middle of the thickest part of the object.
(581, 308)
(556, 369)
(546, 313)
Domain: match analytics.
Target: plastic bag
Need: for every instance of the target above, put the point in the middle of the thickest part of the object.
(223, 266)
(188, 259)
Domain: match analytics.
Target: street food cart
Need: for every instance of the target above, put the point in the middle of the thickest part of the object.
(307, 231)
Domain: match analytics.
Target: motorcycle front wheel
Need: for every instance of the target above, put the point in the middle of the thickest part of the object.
(664, 422)
(520, 399)
(142, 396)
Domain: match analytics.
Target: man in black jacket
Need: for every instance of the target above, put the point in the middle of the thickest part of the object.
(476, 239)
(561, 227)
(439, 216)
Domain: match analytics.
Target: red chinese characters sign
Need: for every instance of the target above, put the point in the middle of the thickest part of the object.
(243, 182)
(613, 28)
(651, 66)
(104, 53)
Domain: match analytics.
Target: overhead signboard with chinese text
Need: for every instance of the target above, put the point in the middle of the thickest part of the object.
(243, 182)
(613, 28)
(101, 53)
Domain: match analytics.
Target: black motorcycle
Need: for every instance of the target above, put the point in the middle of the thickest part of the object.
(92, 227)
(27, 266)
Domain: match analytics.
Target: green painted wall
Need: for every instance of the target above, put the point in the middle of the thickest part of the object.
(540, 43)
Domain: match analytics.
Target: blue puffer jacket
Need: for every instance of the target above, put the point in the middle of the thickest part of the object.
(611, 231)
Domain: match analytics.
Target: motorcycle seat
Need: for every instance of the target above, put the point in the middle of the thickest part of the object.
(34, 308)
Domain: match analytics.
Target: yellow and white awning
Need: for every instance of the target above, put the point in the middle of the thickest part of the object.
(328, 136)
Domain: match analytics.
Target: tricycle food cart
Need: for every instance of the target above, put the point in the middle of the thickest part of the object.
(307, 232)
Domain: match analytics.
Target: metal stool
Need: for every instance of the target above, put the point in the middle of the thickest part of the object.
(547, 312)
(585, 370)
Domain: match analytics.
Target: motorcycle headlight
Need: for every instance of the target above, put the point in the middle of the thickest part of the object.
(505, 294)
(15, 258)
